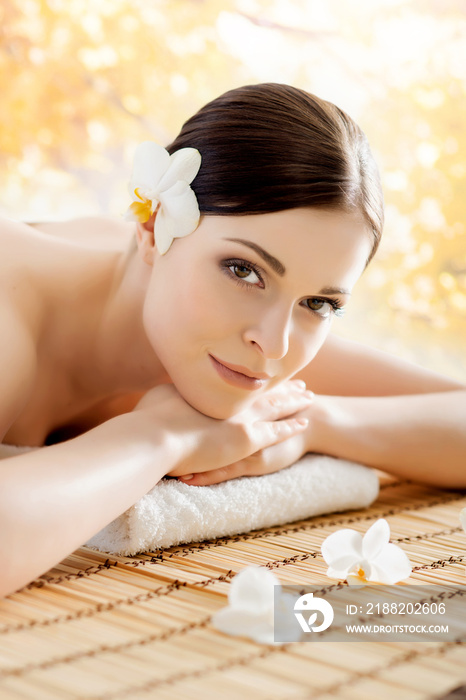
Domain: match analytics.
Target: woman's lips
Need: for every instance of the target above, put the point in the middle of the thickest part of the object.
(239, 379)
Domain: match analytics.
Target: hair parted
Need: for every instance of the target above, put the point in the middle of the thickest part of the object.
(270, 147)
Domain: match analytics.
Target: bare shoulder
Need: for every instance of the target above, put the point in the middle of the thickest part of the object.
(11, 232)
(18, 365)
(20, 255)
(102, 232)
(21, 317)
(344, 367)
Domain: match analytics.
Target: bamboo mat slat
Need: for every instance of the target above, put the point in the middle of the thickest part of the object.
(104, 627)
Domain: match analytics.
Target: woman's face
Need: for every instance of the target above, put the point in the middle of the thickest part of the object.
(245, 302)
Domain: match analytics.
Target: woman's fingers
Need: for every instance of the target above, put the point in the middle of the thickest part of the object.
(282, 402)
(215, 476)
(253, 436)
(272, 432)
(272, 417)
(266, 461)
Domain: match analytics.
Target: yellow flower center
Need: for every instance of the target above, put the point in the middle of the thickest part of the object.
(143, 209)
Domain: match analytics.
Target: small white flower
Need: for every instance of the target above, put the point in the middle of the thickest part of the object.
(160, 182)
(463, 519)
(370, 558)
(250, 612)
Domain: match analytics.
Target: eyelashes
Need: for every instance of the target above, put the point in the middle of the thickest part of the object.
(240, 270)
(335, 304)
(248, 276)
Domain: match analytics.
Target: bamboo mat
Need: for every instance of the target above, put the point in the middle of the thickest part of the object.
(108, 627)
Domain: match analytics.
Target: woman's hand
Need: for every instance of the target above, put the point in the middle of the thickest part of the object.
(265, 461)
(198, 443)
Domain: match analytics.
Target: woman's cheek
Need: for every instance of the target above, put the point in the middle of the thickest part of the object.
(210, 309)
(305, 347)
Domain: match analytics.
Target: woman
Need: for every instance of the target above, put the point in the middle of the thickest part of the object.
(133, 356)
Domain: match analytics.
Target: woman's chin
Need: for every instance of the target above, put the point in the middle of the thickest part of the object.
(219, 408)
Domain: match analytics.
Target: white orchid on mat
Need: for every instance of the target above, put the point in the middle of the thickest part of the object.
(160, 183)
(251, 608)
(463, 519)
(371, 558)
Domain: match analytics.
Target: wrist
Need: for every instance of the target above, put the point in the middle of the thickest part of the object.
(327, 420)
(147, 440)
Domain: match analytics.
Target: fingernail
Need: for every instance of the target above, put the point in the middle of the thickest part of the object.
(309, 394)
(187, 477)
(300, 384)
(302, 421)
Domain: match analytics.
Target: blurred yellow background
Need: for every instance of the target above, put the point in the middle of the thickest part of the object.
(83, 81)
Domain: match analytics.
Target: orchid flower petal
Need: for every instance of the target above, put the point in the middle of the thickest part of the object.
(178, 216)
(240, 622)
(463, 519)
(339, 574)
(164, 231)
(344, 542)
(362, 569)
(342, 566)
(375, 538)
(180, 204)
(252, 589)
(353, 580)
(151, 161)
(391, 565)
(184, 165)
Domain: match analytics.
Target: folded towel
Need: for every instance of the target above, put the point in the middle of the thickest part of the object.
(176, 513)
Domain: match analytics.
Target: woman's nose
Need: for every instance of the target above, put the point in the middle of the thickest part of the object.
(271, 333)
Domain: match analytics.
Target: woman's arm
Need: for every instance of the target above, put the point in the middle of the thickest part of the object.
(420, 437)
(387, 413)
(54, 499)
(346, 368)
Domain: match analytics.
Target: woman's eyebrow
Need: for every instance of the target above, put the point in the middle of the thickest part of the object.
(279, 267)
(335, 290)
(275, 264)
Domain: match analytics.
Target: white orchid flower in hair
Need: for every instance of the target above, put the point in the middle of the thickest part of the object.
(360, 559)
(160, 182)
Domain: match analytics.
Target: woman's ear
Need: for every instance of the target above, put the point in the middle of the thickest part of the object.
(145, 239)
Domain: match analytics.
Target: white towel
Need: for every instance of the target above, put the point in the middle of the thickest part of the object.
(176, 513)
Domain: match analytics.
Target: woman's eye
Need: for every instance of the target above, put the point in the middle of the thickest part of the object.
(319, 306)
(244, 273)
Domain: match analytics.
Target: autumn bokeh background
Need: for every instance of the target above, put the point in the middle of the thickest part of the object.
(83, 81)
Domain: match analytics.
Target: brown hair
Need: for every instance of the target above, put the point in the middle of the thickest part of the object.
(270, 147)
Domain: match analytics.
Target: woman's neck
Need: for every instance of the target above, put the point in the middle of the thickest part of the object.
(111, 353)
